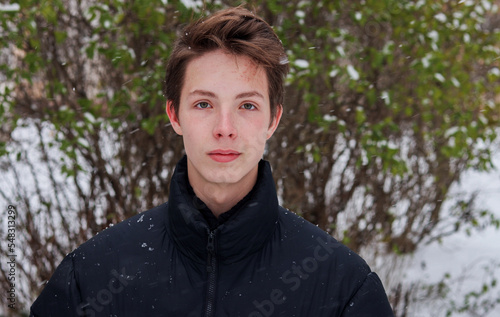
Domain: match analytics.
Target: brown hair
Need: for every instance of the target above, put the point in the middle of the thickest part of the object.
(236, 31)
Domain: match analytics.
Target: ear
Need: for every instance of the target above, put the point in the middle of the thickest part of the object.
(275, 121)
(172, 116)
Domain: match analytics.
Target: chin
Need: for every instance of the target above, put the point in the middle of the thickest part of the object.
(224, 178)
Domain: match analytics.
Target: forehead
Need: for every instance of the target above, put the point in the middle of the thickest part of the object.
(223, 73)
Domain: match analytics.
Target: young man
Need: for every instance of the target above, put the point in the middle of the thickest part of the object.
(221, 246)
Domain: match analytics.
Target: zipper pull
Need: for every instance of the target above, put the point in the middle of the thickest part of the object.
(211, 250)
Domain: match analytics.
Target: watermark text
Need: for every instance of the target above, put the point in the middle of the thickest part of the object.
(11, 256)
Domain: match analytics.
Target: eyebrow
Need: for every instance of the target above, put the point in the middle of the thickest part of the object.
(242, 95)
(249, 94)
(203, 93)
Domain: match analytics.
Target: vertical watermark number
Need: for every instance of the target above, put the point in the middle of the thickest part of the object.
(11, 256)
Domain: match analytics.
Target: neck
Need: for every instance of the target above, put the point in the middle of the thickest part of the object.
(220, 198)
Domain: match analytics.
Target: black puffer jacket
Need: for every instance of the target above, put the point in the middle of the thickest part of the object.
(263, 261)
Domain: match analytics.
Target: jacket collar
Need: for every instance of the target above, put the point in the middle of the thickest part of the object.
(242, 234)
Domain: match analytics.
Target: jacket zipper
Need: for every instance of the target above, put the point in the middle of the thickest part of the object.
(212, 275)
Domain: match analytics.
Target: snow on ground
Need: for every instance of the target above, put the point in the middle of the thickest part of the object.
(465, 258)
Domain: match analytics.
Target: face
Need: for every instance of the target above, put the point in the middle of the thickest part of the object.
(224, 118)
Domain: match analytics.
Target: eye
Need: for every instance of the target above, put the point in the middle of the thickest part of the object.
(248, 106)
(202, 105)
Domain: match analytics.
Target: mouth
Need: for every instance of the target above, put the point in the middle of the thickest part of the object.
(224, 156)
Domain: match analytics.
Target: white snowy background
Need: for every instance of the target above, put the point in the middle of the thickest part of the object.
(470, 260)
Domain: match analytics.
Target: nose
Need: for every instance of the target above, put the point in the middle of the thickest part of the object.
(225, 126)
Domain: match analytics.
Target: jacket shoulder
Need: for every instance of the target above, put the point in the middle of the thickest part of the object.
(311, 247)
(310, 238)
(115, 254)
(369, 298)
(129, 232)
(131, 246)
(324, 266)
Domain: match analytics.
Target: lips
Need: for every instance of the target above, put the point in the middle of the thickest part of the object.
(224, 156)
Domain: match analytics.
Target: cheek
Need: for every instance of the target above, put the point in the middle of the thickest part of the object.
(264, 132)
(191, 137)
(192, 127)
(261, 137)
(266, 135)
